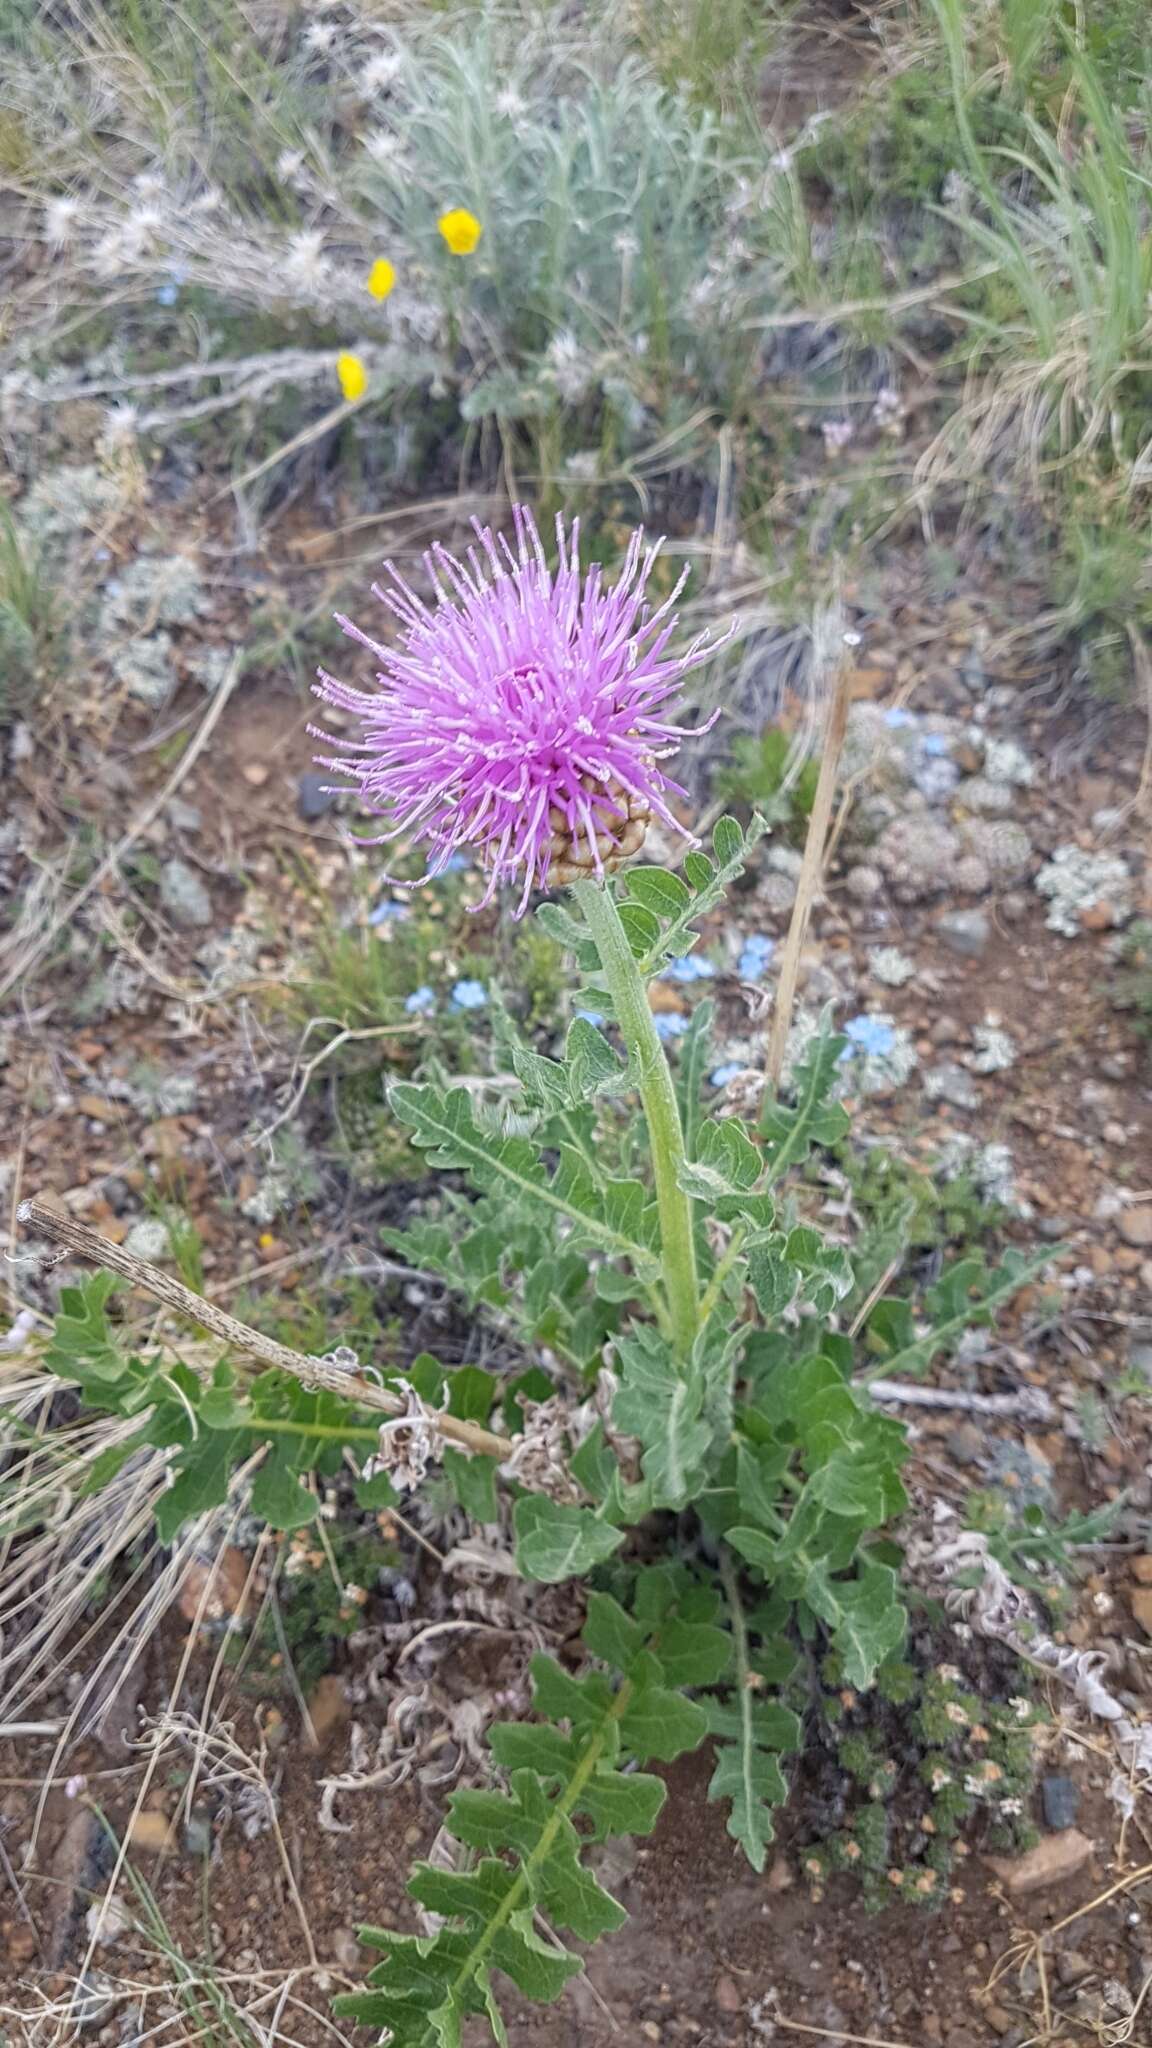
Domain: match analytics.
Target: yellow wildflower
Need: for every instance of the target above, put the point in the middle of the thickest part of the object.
(381, 278)
(352, 375)
(460, 229)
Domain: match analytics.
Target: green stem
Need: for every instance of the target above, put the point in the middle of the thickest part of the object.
(336, 1432)
(713, 1290)
(744, 1691)
(629, 994)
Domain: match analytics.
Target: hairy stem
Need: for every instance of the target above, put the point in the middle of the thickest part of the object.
(658, 1097)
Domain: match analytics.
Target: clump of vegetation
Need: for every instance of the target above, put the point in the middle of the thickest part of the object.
(32, 622)
(1133, 990)
(766, 774)
(326, 1580)
(926, 1763)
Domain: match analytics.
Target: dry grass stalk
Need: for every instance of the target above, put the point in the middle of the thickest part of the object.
(314, 1372)
(36, 949)
(812, 866)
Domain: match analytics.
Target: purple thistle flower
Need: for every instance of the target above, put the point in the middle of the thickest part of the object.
(523, 714)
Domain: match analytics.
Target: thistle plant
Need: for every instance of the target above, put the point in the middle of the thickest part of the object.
(679, 1319)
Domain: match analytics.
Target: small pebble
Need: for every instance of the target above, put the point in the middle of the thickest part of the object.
(966, 1444)
(965, 932)
(1135, 1225)
(313, 797)
(1060, 1799)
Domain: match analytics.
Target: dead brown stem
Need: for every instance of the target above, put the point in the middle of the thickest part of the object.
(315, 1372)
(810, 870)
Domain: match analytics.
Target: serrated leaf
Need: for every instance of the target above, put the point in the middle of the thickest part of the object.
(750, 1778)
(473, 1481)
(661, 1402)
(202, 1482)
(278, 1496)
(865, 1615)
(753, 1544)
(694, 1049)
(694, 1653)
(772, 1277)
(609, 1216)
(870, 1493)
(584, 1702)
(965, 1295)
(593, 1066)
(554, 1542)
(537, 1968)
(560, 925)
(662, 1724)
(478, 1891)
(83, 1343)
(622, 1805)
(791, 1132)
(533, 1746)
(759, 1470)
(528, 1845)
(611, 1634)
(544, 1081)
(709, 884)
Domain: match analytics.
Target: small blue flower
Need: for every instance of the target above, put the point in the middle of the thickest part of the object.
(591, 1017)
(690, 967)
(873, 1037)
(936, 744)
(421, 1002)
(469, 995)
(721, 1076)
(670, 1025)
(385, 912)
(897, 716)
(755, 954)
(168, 293)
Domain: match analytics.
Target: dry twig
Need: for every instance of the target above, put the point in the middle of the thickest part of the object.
(36, 949)
(314, 1372)
(811, 868)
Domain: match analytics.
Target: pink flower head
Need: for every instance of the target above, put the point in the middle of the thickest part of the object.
(523, 714)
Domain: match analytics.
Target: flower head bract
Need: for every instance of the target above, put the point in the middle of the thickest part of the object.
(524, 711)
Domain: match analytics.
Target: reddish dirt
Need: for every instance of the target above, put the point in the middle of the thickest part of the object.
(711, 1955)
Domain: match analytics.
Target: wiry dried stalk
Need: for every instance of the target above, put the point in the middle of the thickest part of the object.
(811, 868)
(314, 1372)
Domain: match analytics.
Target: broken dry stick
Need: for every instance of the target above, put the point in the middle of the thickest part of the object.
(314, 1372)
